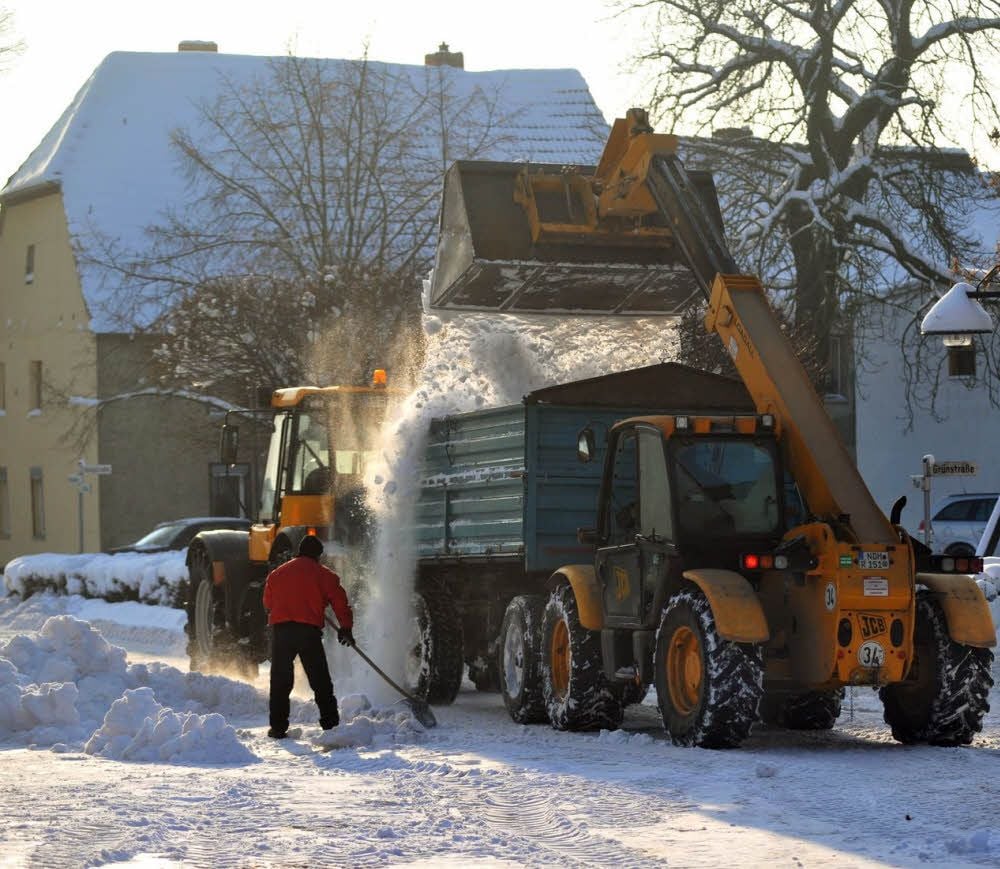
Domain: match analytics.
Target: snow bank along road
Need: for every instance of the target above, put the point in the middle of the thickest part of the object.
(477, 789)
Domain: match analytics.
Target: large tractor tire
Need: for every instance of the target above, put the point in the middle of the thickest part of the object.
(709, 689)
(435, 663)
(519, 659)
(947, 693)
(811, 710)
(577, 694)
(212, 646)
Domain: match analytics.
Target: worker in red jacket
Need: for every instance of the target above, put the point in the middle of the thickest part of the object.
(295, 595)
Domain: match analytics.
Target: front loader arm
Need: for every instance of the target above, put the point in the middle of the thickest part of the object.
(739, 313)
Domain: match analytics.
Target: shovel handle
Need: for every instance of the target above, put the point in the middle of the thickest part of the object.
(381, 672)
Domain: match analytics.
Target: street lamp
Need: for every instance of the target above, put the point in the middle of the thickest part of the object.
(957, 315)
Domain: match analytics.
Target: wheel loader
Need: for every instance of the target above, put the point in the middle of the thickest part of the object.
(319, 440)
(740, 563)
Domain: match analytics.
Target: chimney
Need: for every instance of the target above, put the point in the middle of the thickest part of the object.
(443, 57)
(197, 45)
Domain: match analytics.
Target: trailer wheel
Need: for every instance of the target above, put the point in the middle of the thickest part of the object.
(211, 646)
(811, 710)
(947, 693)
(518, 659)
(435, 663)
(577, 695)
(708, 689)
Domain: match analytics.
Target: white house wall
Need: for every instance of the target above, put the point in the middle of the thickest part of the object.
(888, 454)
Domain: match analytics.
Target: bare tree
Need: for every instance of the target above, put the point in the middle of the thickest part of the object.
(313, 208)
(841, 190)
(10, 45)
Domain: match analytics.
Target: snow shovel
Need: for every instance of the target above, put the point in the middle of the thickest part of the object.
(421, 711)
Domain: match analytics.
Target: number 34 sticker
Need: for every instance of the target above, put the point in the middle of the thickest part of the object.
(830, 596)
(871, 655)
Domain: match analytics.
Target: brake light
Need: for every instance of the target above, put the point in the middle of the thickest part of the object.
(948, 564)
(920, 527)
(763, 561)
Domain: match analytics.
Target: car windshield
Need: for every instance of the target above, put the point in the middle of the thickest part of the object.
(726, 487)
(161, 536)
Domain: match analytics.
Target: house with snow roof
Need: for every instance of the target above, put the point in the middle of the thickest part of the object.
(74, 383)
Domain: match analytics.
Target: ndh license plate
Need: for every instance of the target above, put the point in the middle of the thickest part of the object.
(873, 560)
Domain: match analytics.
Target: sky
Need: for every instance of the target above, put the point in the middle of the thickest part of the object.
(65, 40)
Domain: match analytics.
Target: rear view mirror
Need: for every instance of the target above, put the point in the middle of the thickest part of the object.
(229, 444)
(585, 445)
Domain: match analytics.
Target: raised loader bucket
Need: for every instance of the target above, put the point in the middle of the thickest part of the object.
(487, 259)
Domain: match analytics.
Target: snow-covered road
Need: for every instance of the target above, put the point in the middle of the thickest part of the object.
(480, 789)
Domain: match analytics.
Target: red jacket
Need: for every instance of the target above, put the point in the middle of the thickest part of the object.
(300, 589)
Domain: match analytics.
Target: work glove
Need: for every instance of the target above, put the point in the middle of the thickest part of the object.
(345, 637)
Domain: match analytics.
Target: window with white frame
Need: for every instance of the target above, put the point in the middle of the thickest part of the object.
(37, 505)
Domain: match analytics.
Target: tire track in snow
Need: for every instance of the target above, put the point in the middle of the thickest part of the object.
(527, 813)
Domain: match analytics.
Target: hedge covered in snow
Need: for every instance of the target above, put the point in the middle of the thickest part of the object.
(156, 578)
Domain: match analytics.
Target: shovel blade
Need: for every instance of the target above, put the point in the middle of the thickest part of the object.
(421, 711)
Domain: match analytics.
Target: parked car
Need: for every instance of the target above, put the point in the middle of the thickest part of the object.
(178, 533)
(958, 522)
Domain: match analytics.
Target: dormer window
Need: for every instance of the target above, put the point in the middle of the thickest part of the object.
(29, 265)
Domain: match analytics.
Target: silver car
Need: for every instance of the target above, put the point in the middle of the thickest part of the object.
(958, 522)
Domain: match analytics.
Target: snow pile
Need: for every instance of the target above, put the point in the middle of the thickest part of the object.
(624, 737)
(136, 727)
(70, 686)
(137, 626)
(363, 725)
(153, 577)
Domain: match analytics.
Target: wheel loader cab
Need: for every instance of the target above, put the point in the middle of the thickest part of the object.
(679, 491)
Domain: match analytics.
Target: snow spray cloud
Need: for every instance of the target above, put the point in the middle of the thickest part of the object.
(473, 361)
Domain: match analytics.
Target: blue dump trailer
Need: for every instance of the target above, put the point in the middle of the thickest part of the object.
(502, 495)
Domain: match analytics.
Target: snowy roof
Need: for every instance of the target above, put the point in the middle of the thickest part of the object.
(110, 151)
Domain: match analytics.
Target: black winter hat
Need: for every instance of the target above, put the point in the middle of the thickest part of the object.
(311, 546)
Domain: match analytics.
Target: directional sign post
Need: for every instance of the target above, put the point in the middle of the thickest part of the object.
(934, 468)
(83, 487)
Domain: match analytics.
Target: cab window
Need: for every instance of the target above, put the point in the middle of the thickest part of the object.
(622, 516)
(654, 487)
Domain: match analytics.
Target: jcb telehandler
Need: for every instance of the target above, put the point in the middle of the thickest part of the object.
(741, 564)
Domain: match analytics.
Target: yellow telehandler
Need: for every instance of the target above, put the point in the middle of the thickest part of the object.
(740, 563)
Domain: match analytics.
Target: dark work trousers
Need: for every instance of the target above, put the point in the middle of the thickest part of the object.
(289, 639)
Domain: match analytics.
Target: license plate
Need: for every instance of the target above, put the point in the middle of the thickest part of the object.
(873, 560)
